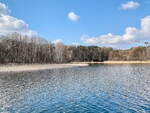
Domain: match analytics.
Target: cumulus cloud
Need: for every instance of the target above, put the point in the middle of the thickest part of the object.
(4, 9)
(131, 34)
(73, 16)
(130, 5)
(10, 24)
(58, 41)
(75, 44)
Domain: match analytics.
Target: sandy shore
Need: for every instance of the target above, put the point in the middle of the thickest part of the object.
(36, 67)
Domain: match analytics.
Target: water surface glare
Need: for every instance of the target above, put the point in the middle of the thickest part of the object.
(93, 89)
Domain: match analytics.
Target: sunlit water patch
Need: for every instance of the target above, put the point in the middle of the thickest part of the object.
(94, 89)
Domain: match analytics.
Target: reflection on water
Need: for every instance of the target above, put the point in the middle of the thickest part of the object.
(94, 89)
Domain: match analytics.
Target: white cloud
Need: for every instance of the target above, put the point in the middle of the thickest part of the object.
(131, 34)
(75, 44)
(4, 9)
(58, 41)
(130, 5)
(73, 16)
(10, 24)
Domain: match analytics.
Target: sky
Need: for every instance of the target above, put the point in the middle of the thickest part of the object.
(110, 23)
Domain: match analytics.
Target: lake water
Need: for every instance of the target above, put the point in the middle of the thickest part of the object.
(93, 89)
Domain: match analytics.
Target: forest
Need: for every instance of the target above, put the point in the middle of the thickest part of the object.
(17, 48)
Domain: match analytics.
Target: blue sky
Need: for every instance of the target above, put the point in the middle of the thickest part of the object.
(96, 18)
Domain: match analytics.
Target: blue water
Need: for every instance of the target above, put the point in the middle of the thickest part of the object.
(93, 89)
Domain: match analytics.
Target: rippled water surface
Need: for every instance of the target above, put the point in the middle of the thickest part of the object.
(93, 89)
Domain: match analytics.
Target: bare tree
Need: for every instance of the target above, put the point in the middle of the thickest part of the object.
(59, 49)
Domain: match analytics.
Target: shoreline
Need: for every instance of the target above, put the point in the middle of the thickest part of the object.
(114, 62)
(36, 67)
(127, 62)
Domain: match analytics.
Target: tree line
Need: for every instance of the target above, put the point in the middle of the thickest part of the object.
(17, 48)
(133, 54)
